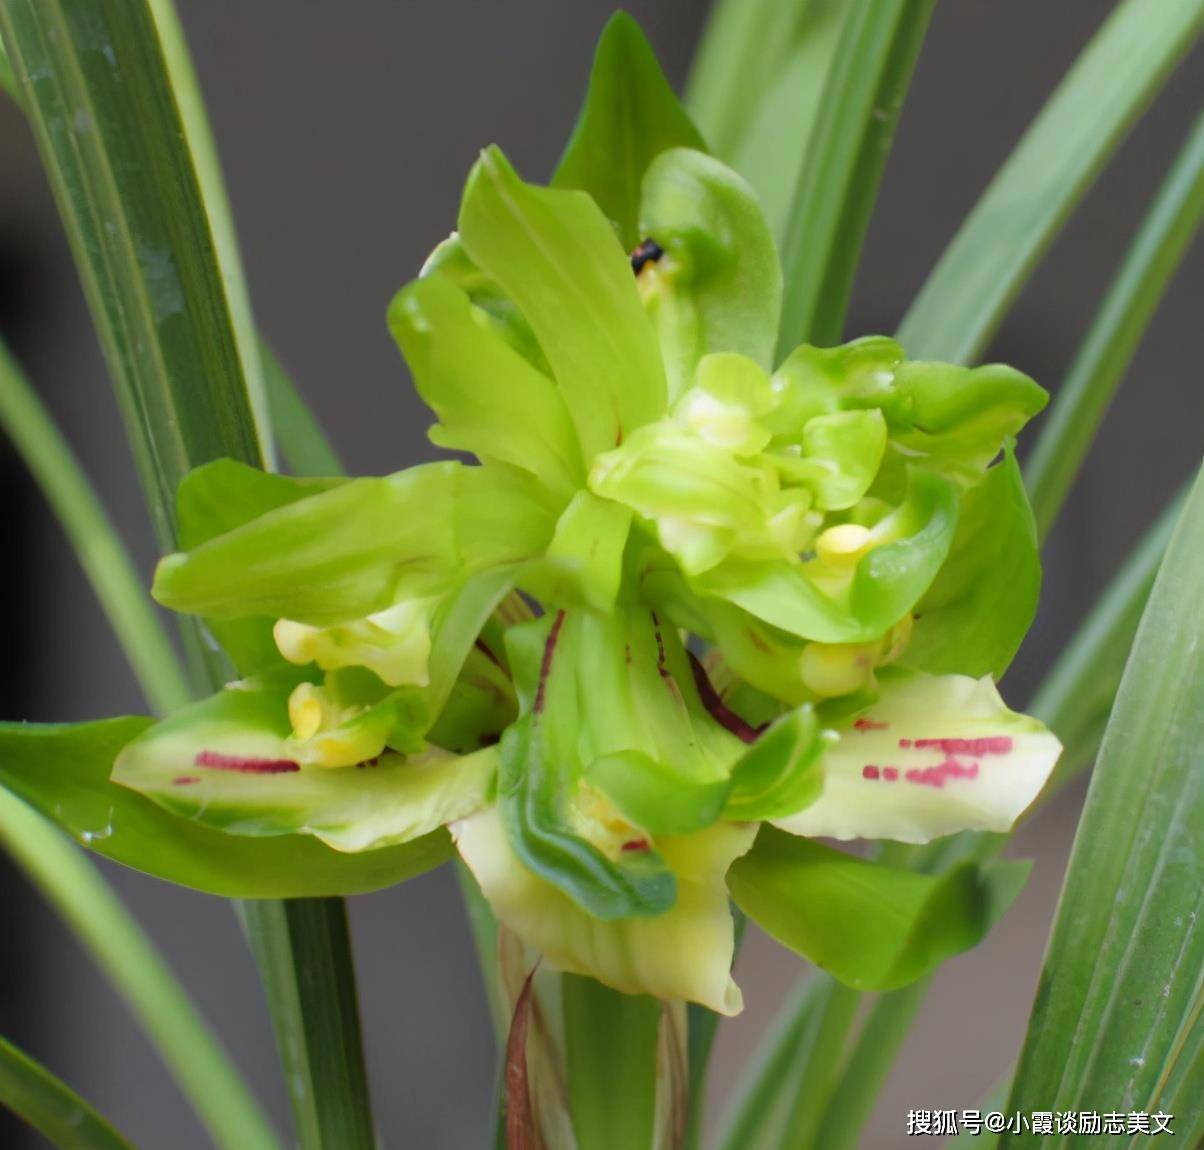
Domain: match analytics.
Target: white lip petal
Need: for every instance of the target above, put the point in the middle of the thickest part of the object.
(685, 953)
(937, 754)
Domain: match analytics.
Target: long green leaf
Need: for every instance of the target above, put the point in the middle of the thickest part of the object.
(1071, 423)
(610, 1057)
(1001, 241)
(50, 1106)
(863, 94)
(135, 968)
(115, 108)
(109, 92)
(298, 944)
(105, 560)
(744, 46)
(1119, 1012)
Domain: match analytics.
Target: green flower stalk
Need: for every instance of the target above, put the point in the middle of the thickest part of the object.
(843, 534)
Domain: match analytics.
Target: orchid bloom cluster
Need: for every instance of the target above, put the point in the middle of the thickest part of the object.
(692, 608)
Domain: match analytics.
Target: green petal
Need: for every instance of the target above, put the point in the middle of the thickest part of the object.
(871, 926)
(489, 399)
(684, 953)
(888, 581)
(959, 418)
(357, 549)
(63, 771)
(975, 615)
(556, 256)
(718, 287)
(230, 762)
(838, 458)
(782, 772)
(933, 756)
(630, 115)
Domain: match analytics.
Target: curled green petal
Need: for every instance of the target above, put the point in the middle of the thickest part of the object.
(718, 285)
(782, 771)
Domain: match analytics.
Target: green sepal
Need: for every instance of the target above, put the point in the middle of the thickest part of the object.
(358, 548)
(781, 772)
(556, 256)
(871, 926)
(630, 115)
(219, 497)
(230, 762)
(889, 579)
(975, 615)
(63, 771)
(489, 399)
(718, 287)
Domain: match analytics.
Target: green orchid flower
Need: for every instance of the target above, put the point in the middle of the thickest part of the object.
(768, 601)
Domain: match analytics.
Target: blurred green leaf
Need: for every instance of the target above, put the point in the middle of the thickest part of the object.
(1118, 1019)
(50, 1106)
(118, 584)
(871, 926)
(62, 770)
(302, 441)
(128, 958)
(610, 1060)
(630, 115)
(1081, 125)
(1104, 355)
(862, 97)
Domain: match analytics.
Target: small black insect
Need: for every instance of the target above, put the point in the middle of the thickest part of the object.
(645, 252)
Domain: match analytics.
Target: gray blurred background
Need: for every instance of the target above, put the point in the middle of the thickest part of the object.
(345, 134)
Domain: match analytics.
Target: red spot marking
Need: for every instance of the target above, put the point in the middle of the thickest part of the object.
(905, 744)
(719, 710)
(661, 667)
(995, 745)
(243, 765)
(545, 666)
(937, 776)
(890, 774)
(864, 724)
(184, 780)
(870, 772)
(635, 846)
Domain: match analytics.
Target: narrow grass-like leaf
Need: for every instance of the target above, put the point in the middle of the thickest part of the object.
(115, 108)
(744, 45)
(130, 961)
(1081, 402)
(863, 94)
(303, 443)
(756, 1113)
(8, 79)
(610, 1054)
(109, 92)
(1001, 241)
(50, 1106)
(1117, 1021)
(118, 586)
(303, 951)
